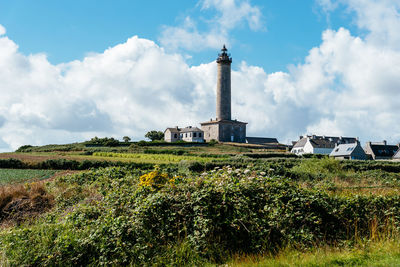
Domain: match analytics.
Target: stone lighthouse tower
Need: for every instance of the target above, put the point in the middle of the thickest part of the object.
(224, 86)
(223, 128)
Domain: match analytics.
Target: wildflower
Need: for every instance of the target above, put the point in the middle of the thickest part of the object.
(246, 171)
(155, 179)
(263, 173)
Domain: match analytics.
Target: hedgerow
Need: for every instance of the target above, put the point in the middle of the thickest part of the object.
(126, 216)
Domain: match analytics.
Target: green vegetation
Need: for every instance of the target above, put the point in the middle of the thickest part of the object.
(126, 216)
(200, 205)
(376, 253)
(153, 158)
(8, 176)
(155, 135)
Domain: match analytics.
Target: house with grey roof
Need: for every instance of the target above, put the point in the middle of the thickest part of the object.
(188, 134)
(380, 150)
(352, 151)
(192, 134)
(314, 144)
(397, 154)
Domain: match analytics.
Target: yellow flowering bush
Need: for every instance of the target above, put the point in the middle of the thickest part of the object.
(155, 179)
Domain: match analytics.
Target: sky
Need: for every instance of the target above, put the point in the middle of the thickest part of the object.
(72, 70)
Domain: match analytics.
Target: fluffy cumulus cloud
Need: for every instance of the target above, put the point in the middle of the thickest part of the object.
(127, 90)
(350, 85)
(347, 86)
(229, 15)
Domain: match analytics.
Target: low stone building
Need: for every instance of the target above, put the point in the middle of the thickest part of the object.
(224, 130)
(380, 150)
(314, 144)
(188, 134)
(172, 134)
(352, 151)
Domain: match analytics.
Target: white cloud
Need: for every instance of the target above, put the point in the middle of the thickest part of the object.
(230, 15)
(2, 30)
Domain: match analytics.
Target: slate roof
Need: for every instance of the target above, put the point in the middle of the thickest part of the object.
(387, 151)
(343, 150)
(397, 155)
(261, 140)
(301, 142)
(173, 130)
(190, 129)
(223, 122)
(324, 141)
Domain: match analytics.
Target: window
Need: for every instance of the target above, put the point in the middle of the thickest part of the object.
(185, 134)
(199, 134)
(181, 135)
(194, 135)
(175, 136)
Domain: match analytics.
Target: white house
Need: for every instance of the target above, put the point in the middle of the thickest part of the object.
(314, 144)
(188, 134)
(192, 134)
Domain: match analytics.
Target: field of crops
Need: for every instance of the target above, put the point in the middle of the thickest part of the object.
(151, 158)
(8, 176)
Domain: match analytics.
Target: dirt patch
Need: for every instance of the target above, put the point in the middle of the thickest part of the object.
(28, 157)
(21, 203)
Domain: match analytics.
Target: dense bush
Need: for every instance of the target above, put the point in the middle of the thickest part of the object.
(67, 164)
(106, 141)
(126, 220)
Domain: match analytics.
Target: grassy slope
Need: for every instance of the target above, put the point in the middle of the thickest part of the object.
(375, 253)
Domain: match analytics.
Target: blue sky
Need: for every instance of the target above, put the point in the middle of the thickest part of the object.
(71, 70)
(69, 30)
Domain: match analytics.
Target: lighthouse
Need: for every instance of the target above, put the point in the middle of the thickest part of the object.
(224, 85)
(223, 128)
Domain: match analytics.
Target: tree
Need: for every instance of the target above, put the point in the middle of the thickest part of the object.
(126, 139)
(155, 135)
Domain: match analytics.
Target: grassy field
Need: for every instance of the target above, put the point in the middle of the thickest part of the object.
(10, 176)
(151, 158)
(372, 254)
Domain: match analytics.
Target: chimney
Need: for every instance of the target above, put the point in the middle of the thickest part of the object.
(369, 144)
(300, 137)
(384, 142)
